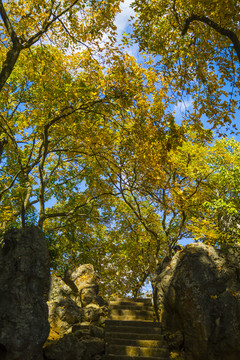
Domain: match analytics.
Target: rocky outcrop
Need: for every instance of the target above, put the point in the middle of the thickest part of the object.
(197, 300)
(71, 347)
(24, 286)
(84, 283)
(76, 316)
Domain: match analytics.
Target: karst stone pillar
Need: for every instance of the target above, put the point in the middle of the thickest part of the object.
(197, 295)
(84, 281)
(24, 286)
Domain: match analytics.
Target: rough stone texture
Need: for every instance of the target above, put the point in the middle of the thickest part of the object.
(76, 321)
(197, 293)
(63, 311)
(66, 348)
(84, 282)
(70, 347)
(24, 286)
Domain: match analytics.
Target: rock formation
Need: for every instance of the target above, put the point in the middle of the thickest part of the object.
(197, 300)
(84, 283)
(24, 286)
(76, 316)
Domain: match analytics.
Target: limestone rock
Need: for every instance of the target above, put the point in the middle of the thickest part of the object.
(63, 311)
(76, 321)
(95, 348)
(197, 293)
(66, 348)
(70, 347)
(81, 330)
(83, 281)
(24, 286)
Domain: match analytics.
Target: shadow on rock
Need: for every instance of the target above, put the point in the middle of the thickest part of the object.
(197, 295)
(76, 316)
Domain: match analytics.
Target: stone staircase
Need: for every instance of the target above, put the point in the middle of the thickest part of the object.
(131, 333)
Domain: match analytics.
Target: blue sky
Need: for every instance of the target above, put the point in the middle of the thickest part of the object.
(123, 25)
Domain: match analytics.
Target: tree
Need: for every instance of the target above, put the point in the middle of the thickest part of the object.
(93, 153)
(58, 121)
(157, 167)
(127, 84)
(217, 221)
(25, 23)
(198, 44)
(70, 25)
(42, 152)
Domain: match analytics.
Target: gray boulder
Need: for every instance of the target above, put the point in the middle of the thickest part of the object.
(24, 286)
(197, 300)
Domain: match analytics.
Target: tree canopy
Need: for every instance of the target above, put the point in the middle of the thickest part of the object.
(93, 150)
(65, 23)
(199, 47)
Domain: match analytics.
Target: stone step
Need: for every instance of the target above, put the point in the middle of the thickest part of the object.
(131, 307)
(131, 333)
(132, 330)
(135, 350)
(139, 302)
(138, 342)
(126, 314)
(143, 300)
(125, 357)
(128, 318)
(148, 324)
(135, 336)
(127, 311)
(132, 327)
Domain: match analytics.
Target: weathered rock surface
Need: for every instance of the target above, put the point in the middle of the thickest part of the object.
(24, 286)
(63, 311)
(76, 316)
(197, 294)
(84, 283)
(70, 347)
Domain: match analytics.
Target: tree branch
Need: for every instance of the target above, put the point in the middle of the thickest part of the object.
(73, 211)
(44, 151)
(26, 200)
(18, 44)
(46, 26)
(222, 31)
(11, 184)
(13, 53)
(8, 24)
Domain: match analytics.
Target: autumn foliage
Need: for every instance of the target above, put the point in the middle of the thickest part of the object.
(117, 159)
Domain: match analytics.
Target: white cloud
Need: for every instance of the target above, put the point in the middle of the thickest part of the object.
(122, 23)
(123, 18)
(183, 106)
